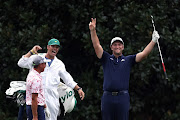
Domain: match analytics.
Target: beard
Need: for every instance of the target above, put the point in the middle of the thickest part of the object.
(117, 53)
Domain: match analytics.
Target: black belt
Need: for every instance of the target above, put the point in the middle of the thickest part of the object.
(116, 93)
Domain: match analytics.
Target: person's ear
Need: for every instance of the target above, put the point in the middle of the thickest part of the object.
(48, 46)
(111, 47)
(123, 47)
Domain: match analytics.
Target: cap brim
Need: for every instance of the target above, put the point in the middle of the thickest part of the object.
(47, 60)
(54, 44)
(117, 40)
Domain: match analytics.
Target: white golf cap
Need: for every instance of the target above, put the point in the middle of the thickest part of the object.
(117, 39)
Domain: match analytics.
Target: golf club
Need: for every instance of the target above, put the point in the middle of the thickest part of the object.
(159, 50)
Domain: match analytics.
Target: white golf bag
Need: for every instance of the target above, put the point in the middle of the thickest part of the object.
(67, 97)
(17, 91)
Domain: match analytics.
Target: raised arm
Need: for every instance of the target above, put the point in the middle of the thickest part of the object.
(142, 55)
(24, 60)
(95, 40)
(34, 50)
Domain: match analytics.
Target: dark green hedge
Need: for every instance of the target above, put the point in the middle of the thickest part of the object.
(25, 23)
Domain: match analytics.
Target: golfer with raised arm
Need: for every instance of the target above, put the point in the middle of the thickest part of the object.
(115, 101)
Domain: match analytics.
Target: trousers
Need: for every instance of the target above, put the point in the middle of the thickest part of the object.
(40, 110)
(115, 106)
(21, 112)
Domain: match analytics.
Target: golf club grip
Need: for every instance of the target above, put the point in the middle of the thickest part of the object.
(164, 70)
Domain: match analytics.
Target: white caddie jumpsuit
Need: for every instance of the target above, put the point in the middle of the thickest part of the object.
(51, 79)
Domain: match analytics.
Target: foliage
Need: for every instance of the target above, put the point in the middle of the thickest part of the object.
(25, 23)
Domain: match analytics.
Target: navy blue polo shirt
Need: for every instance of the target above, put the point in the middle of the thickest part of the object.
(116, 71)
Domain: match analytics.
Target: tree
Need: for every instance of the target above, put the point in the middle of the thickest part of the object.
(24, 24)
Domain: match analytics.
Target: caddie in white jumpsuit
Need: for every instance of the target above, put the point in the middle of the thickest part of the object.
(51, 76)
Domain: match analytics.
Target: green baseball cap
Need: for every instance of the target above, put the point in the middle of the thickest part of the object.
(54, 42)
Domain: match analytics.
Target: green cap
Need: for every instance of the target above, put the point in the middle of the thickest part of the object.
(54, 42)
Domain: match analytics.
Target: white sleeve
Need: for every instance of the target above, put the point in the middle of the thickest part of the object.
(25, 62)
(67, 78)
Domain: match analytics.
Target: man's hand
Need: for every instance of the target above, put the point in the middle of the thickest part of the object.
(92, 24)
(35, 49)
(155, 36)
(81, 94)
(47, 113)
